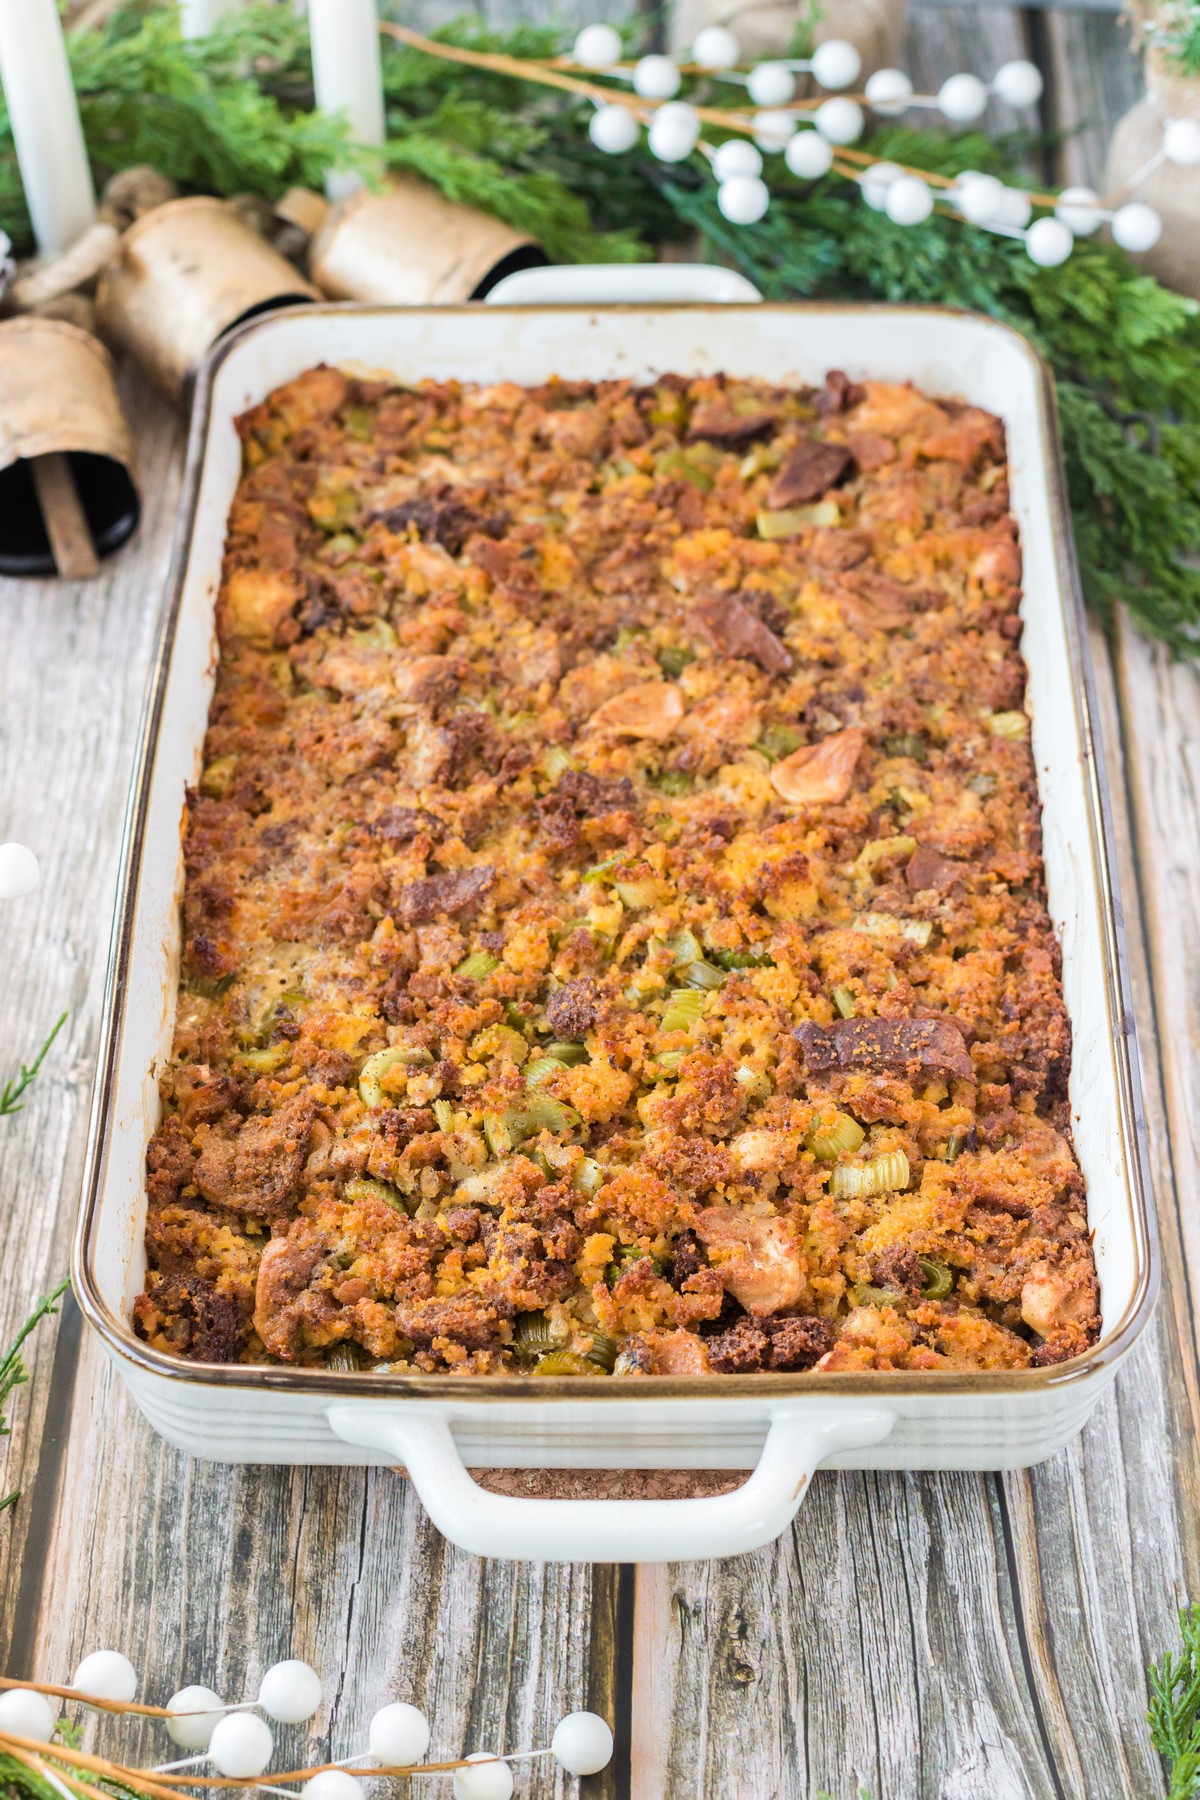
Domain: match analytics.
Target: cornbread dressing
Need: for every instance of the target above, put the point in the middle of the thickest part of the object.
(615, 932)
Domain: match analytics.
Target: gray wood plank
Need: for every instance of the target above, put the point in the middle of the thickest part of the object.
(1093, 80)
(945, 40)
(202, 1572)
(209, 1573)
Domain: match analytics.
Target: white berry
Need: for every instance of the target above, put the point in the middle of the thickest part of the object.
(841, 121)
(962, 99)
(1048, 243)
(1080, 210)
(836, 64)
(716, 48)
(1136, 227)
(26, 1714)
(772, 131)
(489, 1780)
(582, 1743)
(399, 1735)
(876, 181)
(613, 129)
(674, 131)
(106, 1674)
(889, 90)
(736, 157)
(1015, 209)
(241, 1745)
(743, 199)
(203, 1708)
(771, 84)
(19, 872)
(290, 1691)
(334, 1784)
(908, 201)
(809, 155)
(597, 47)
(1181, 142)
(1018, 83)
(656, 78)
(979, 197)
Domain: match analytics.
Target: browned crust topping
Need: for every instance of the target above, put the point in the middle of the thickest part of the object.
(614, 927)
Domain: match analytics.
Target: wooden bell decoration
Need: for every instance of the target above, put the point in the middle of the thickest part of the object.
(183, 275)
(407, 246)
(67, 490)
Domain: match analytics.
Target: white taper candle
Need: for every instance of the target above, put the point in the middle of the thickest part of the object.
(45, 123)
(347, 74)
(198, 17)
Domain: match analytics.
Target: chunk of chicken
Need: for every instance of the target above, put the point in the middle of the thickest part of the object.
(650, 709)
(1054, 1298)
(821, 773)
(758, 1259)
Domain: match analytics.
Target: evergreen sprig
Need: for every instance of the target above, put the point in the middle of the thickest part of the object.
(11, 1093)
(13, 1372)
(1125, 351)
(1174, 1711)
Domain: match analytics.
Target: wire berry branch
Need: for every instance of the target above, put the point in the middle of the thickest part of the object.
(237, 1743)
(631, 97)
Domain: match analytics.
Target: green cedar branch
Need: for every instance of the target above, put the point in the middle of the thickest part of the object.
(15, 1086)
(1125, 351)
(1174, 1711)
(13, 1372)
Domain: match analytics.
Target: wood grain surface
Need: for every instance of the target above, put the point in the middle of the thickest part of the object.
(919, 1637)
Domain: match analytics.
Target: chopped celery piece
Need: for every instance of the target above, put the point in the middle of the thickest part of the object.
(443, 1112)
(672, 782)
(937, 1278)
(841, 1137)
(571, 1055)
(478, 966)
(792, 520)
(906, 743)
(742, 959)
(701, 974)
(540, 1069)
(362, 1188)
(673, 659)
(588, 1176)
(843, 1000)
(370, 1076)
(565, 1362)
(686, 948)
(882, 1175)
(778, 741)
(496, 1134)
(1007, 724)
(684, 1007)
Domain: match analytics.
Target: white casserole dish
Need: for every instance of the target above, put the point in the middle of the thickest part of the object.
(781, 1425)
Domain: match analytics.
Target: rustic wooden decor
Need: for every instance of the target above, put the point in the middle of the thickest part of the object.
(184, 274)
(67, 489)
(407, 246)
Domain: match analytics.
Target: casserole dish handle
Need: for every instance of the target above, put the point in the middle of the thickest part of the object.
(800, 1435)
(624, 284)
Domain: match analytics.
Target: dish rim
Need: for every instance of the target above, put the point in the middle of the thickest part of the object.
(1099, 1360)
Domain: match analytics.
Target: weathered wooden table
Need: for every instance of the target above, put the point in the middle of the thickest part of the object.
(925, 1637)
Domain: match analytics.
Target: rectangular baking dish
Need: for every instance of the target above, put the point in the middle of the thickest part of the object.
(780, 1425)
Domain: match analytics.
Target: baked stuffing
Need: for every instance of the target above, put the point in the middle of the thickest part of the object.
(615, 923)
